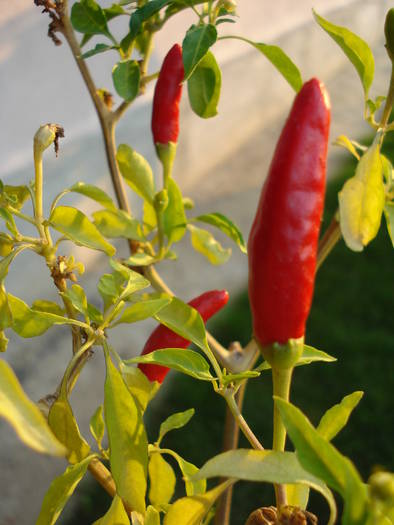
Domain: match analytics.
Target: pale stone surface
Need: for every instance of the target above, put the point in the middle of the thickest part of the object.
(39, 83)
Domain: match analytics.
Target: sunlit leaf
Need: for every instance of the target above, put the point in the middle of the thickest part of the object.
(162, 480)
(152, 516)
(42, 305)
(195, 45)
(139, 385)
(193, 487)
(143, 309)
(24, 416)
(136, 171)
(118, 223)
(357, 51)
(9, 221)
(77, 297)
(126, 79)
(116, 514)
(60, 491)
(204, 87)
(346, 143)
(127, 439)
(178, 420)
(76, 226)
(16, 195)
(94, 193)
(97, 425)
(205, 243)
(174, 218)
(335, 419)
(224, 225)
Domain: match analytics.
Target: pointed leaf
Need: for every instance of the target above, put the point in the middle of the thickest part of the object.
(184, 321)
(204, 87)
(309, 355)
(63, 424)
(143, 309)
(76, 226)
(195, 45)
(96, 50)
(24, 416)
(94, 193)
(118, 223)
(136, 171)
(3, 340)
(357, 51)
(97, 425)
(116, 514)
(140, 259)
(178, 420)
(162, 480)
(143, 13)
(88, 17)
(174, 218)
(346, 143)
(335, 419)
(226, 226)
(126, 79)
(16, 195)
(152, 517)
(191, 510)
(110, 288)
(76, 295)
(185, 361)
(149, 218)
(42, 305)
(138, 384)
(193, 487)
(127, 439)
(60, 491)
(323, 460)
(205, 243)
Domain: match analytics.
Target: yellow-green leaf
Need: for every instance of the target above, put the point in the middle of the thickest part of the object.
(337, 416)
(94, 193)
(60, 491)
(116, 515)
(127, 439)
(63, 424)
(139, 385)
(136, 171)
(161, 480)
(24, 416)
(97, 426)
(3, 341)
(191, 510)
(346, 143)
(143, 309)
(174, 218)
(152, 516)
(118, 223)
(205, 243)
(361, 201)
(77, 227)
(193, 487)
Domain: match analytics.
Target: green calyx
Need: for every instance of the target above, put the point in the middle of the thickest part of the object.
(389, 33)
(283, 356)
(161, 201)
(166, 154)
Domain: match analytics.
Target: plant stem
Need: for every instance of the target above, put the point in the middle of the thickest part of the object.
(328, 241)
(281, 380)
(389, 102)
(246, 430)
(230, 442)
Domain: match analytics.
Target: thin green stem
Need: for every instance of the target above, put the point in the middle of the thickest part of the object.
(38, 193)
(244, 427)
(389, 102)
(281, 380)
(21, 215)
(328, 241)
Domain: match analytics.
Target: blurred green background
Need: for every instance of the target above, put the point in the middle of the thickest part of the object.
(351, 319)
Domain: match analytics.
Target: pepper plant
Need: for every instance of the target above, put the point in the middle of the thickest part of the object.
(284, 253)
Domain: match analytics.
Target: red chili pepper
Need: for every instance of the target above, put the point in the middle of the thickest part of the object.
(283, 240)
(207, 304)
(168, 91)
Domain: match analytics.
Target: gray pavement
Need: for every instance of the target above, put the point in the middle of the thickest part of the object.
(221, 164)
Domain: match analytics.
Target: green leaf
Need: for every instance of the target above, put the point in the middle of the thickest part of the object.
(118, 223)
(126, 79)
(87, 17)
(94, 193)
(162, 480)
(136, 171)
(297, 495)
(6, 261)
(60, 491)
(143, 309)
(152, 516)
(184, 321)
(224, 225)
(204, 87)
(42, 305)
(191, 510)
(174, 218)
(114, 11)
(76, 295)
(312, 355)
(195, 45)
(186, 361)
(149, 218)
(24, 416)
(346, 143)
(32, 323)
(357, 51)
(16, 195)
(127, 439)
(98, 49)
(138, 384)
(323, 460)
(5, 311)
(193, 487)
(178, 420)
(335, 419)
(97, 425)
(389, 214)
(116, 515)
(144, 13)
(63, 424)
(264, 465)
(362, 200)
(110, 288)
(9, 221)
(205, 243)
(3, 339)
(76, 226)
(140, 259)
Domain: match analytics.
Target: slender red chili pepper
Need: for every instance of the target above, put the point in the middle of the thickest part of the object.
(283, 240)
(207, 304)
(168, 91)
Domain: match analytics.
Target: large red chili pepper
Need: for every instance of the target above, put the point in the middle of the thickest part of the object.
(283, 240)
(207, 304)
(168, 91)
